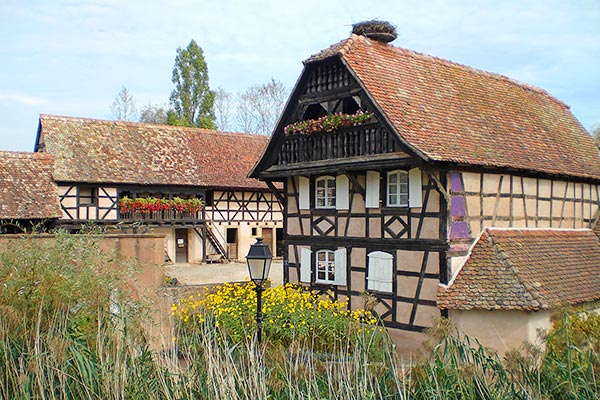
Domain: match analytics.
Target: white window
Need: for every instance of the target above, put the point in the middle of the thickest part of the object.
(397, 188)
(330, 266)
(325, 192)
(380, 275)
(325, 266)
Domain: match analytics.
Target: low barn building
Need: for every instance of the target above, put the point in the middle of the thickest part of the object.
(514, 278)
(189, 184)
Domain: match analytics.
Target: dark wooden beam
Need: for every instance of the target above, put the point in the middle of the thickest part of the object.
(371, 243)
(376, 161)
(332, 94)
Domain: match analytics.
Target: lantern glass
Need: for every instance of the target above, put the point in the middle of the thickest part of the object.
(259, 261)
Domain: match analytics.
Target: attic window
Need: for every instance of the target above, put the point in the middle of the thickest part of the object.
(350, 105)
(314, 111)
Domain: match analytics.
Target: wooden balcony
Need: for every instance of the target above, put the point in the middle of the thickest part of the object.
(170, 216)
(357, 141)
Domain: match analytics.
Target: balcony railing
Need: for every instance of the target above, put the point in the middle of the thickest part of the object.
(168, 215)
(355, 141)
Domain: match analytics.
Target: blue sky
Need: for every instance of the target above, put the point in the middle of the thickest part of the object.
(71, 57)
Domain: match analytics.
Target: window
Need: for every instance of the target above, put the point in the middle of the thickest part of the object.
(325, 266)
(254, 231)
(380, 275)
(329, 266)
(397, 188)
(402, 189)
(87, 195)
(325, 192)
(330, 192)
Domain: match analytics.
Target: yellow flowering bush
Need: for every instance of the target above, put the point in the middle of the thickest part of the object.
(290, 312)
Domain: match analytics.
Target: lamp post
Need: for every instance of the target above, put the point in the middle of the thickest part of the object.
(259, 262)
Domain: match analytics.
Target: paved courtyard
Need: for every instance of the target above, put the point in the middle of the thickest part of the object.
(207, 274)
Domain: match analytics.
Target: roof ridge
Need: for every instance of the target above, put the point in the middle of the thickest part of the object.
(132, 123)
(337, 49)
(504, 258)
(498, 228)
(443, 61)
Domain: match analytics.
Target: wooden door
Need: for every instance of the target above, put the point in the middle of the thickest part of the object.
(181, 245)
(267, 234)
(232, 243)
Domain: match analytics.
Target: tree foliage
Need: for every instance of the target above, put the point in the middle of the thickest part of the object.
(222, 106)
(595, 132)
(259, 107)
(123, 107)
(191, 100)
(153, 114)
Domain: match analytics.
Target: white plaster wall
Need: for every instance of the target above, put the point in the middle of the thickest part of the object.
(501, 330)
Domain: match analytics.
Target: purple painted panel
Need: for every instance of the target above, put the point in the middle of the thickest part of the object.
(456, 182)
(458, 206)
(459, 230)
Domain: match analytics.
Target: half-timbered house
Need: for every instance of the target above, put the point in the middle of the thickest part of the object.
(112, 173)
(28, 195)
(392, 162)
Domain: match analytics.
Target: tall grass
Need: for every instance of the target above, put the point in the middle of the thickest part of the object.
(73, 347)
(120, 365)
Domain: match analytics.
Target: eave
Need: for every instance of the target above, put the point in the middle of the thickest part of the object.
(378, 161)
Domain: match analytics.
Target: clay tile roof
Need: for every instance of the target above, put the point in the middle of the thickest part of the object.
(27, 190)
(526, 269)
(97, 151)
(452, 113)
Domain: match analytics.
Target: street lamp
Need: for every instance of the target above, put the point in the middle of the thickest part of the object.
(259, 262)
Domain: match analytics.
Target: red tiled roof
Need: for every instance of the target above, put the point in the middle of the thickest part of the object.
(526, 269)
(27, 190)
(97, 151)
(452, 113)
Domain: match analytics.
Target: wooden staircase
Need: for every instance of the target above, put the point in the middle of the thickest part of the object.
(214, 241)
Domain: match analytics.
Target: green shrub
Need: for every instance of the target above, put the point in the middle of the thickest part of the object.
(55, 276)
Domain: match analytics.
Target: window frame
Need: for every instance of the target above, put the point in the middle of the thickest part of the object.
(327, 179)
(399, 185)
(91, 200)
(329, 269)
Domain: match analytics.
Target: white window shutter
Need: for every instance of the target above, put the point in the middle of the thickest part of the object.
(340, 266)
(372, 190)
(415, 188)
(373, 279)
(381, 272)
(304, 192)
(342, 192)
(386, 273)
(305, 265)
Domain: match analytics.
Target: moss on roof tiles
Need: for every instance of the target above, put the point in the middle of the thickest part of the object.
(27, 190)
(98, 151)
(453, 113)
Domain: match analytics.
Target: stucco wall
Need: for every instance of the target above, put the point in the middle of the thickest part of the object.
(500, 329)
